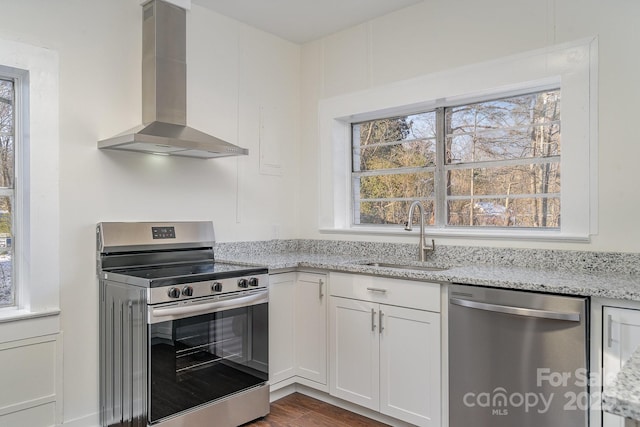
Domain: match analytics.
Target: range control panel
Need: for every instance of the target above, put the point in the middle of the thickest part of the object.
(209, 288)
(163, 232)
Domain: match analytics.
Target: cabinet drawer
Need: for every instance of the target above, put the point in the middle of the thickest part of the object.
(403, 293)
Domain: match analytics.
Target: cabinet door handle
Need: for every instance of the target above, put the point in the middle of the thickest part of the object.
(320, 294)
(373, 320)
(380, 322)
(609, 331)
(382, 291)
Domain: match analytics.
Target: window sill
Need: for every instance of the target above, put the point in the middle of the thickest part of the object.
(13, 314)
(500, 235)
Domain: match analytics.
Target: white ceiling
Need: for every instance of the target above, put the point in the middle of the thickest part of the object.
(301, 21)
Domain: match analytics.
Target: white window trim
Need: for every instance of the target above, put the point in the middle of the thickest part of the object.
(572, 67)
(36, 259)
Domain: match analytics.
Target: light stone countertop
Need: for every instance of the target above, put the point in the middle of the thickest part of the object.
(595, 284)
(622, 396)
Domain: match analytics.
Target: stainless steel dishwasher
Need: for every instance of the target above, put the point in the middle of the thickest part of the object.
(517, 358)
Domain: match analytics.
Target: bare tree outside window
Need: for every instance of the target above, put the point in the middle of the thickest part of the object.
(503, 162)
(500, 164)
(7, 169)
(393, 164)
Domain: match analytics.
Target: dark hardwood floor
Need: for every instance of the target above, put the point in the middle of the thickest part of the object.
(298, 410)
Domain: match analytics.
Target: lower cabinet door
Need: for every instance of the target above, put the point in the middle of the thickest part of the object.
(281, 321)
(410, 365)
(311, 327)
(354, 365)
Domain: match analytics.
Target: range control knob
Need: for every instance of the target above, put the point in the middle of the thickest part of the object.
(216, 287)
(253, 281)
(187, 291)
(243, 283)
(174, 293)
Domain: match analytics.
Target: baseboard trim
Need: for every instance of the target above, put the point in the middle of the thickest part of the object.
(91, 420)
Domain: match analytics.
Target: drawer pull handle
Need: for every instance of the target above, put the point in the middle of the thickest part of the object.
(382, 291)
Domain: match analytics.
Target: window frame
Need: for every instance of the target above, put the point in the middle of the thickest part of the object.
(440, 168)
(571, 67)
(37, 245)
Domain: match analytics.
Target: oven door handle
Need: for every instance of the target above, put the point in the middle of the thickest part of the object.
(162, 314)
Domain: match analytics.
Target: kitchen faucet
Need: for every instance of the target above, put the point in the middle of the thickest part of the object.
(423, 247)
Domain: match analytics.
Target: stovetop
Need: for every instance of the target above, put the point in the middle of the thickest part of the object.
(170, 275)
(173, 260)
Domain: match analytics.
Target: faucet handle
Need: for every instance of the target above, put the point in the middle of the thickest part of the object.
(433, 246)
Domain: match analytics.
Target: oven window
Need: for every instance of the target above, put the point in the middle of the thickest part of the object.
(200, 359)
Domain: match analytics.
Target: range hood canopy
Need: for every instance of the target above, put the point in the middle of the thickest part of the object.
(164, 93)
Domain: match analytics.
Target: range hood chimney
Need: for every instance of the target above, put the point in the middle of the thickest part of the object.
(164, 93)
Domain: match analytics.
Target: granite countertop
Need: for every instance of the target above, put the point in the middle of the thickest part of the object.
(595, 284)
(622, 396)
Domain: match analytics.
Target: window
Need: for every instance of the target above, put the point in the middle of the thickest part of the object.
(29, 190)
(7, 196)
(486, 164)
(482, 183)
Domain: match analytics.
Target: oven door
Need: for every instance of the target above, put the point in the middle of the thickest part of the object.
(204, 350)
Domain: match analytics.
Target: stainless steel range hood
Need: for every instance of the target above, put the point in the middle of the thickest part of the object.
(164, 93)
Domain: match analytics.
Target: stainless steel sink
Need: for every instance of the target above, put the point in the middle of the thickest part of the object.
(405, 266)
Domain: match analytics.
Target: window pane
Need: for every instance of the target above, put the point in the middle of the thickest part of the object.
(416, 153)
(510, 128)
(6, 161)
(6, 107)
(519, 179)
(518, 111)
(6, 253)
(394, 186)
(518, 212)
(395, 129)
(505, 144)
(7, 139)
(406, 141)
(391, 212)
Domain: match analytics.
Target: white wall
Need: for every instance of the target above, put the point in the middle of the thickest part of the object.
(242, 86)
(437, 35)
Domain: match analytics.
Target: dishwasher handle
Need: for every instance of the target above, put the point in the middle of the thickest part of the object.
(518, 311)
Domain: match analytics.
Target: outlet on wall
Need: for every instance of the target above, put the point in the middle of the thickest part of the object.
(275, 231)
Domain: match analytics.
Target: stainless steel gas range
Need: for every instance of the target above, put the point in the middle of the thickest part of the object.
(183, 339)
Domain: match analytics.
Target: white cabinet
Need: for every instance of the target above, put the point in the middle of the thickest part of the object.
(311, 328)
(355, 349)
(298, 329)
(383, 356)
(281, 321)
(621, 338)
(410, 365)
